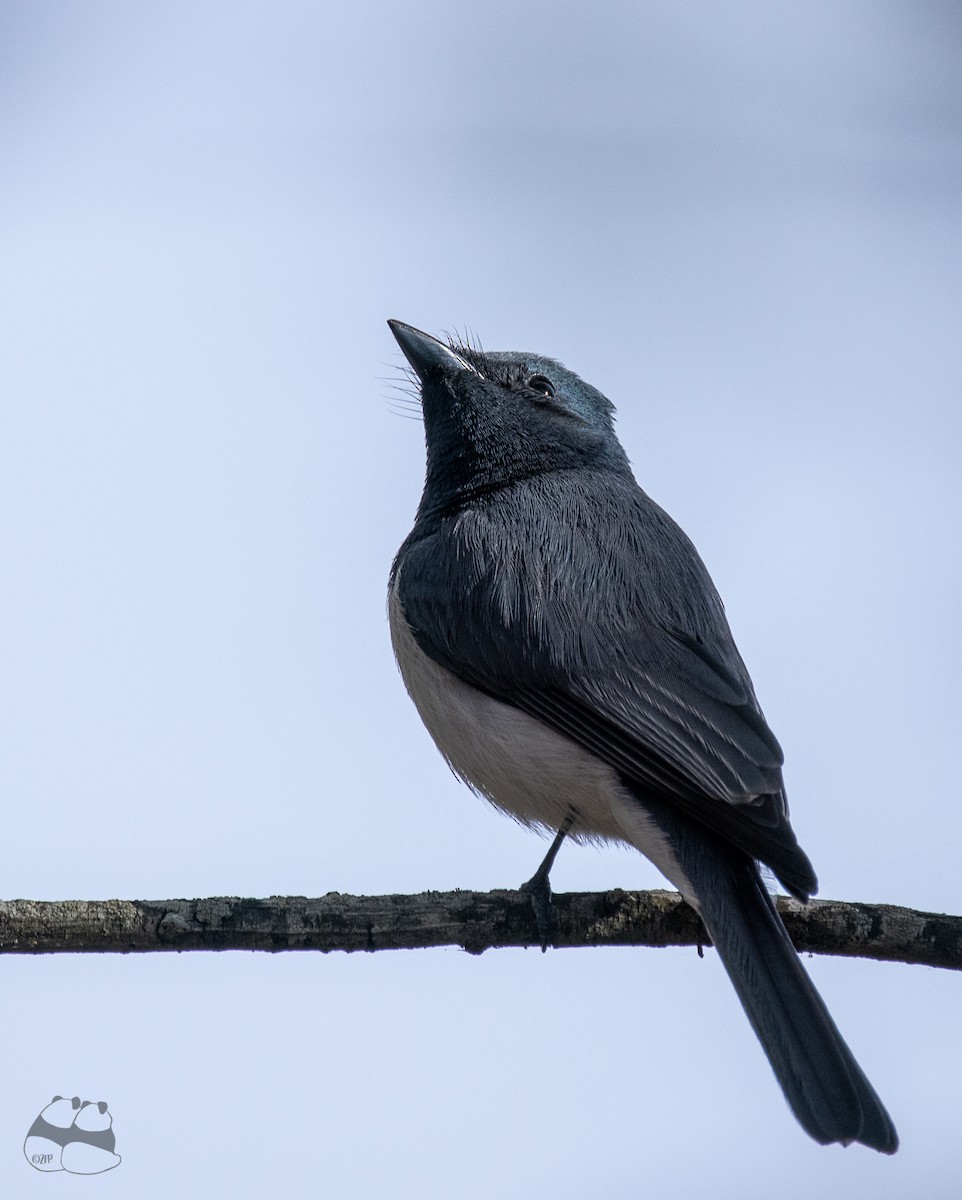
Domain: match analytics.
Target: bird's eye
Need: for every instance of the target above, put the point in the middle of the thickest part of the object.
(542, 385)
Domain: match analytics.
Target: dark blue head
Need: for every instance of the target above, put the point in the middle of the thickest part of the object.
(494, 418)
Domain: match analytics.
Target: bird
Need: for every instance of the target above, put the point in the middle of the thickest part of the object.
(567, 651)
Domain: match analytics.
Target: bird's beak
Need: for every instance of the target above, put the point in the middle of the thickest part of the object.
(426, 354)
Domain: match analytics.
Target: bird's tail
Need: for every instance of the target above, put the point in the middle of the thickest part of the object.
(824, 1085)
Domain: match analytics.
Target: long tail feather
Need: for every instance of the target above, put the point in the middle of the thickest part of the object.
(823, 1084)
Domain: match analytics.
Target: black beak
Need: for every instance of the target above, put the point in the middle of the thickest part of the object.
(426, 354)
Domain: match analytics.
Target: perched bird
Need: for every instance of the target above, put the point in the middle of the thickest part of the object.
(570, 656)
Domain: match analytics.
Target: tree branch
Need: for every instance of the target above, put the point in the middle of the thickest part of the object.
(475, 921)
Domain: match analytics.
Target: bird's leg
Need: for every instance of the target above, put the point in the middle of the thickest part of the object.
(538, 886)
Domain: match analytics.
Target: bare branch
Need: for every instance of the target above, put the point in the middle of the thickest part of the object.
(476, 921)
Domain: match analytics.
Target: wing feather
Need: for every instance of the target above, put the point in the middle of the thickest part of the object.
(634, 661)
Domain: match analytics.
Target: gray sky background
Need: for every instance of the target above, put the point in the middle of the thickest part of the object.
(742, 222)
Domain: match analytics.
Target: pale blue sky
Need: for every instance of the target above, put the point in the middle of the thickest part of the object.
(741, 222)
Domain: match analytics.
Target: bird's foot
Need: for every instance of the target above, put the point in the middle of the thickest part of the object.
(538, 886)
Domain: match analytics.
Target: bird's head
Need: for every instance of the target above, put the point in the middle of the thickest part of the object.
(493, 418)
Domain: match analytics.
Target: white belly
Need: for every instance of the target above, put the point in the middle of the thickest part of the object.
(522, 766)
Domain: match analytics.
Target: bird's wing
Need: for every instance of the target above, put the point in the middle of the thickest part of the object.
(655, 689)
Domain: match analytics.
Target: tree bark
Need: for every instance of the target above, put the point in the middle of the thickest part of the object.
(475, 921)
